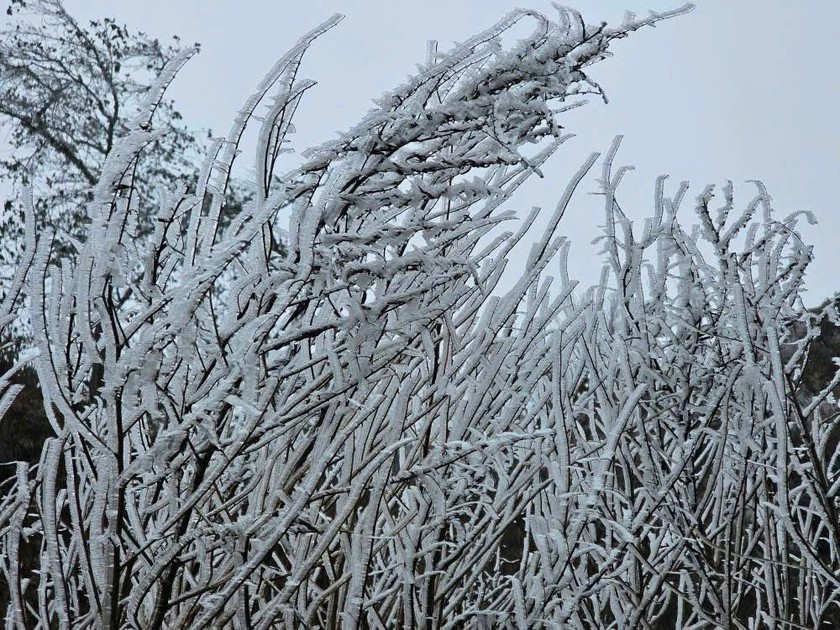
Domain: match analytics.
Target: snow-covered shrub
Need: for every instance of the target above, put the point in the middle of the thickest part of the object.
(328, 414)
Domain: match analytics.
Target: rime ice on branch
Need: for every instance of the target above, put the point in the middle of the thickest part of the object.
(317, 413)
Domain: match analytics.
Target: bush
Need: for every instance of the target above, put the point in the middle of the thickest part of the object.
(323, 413)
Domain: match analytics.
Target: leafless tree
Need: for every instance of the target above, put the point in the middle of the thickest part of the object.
(68, 92)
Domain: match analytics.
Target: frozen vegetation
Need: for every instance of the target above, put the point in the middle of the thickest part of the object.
(319, 408)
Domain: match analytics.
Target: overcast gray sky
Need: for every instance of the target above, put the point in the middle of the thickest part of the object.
(738, 89)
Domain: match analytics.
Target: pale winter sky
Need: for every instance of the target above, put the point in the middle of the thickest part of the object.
(738, 89)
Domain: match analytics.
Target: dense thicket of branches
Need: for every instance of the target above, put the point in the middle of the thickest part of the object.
(362, 429)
